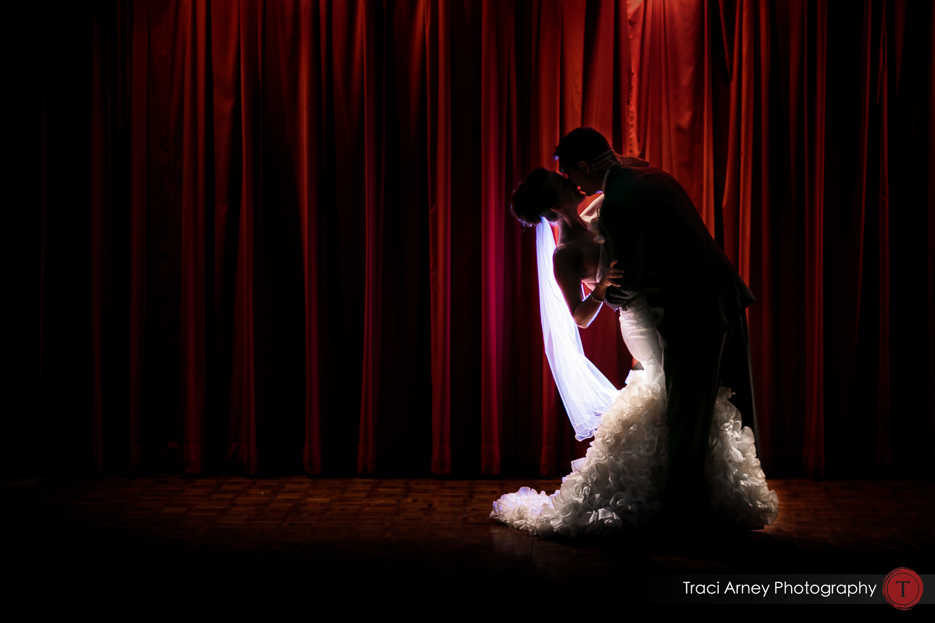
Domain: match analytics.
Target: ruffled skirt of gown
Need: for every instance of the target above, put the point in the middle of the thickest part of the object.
(617, 485)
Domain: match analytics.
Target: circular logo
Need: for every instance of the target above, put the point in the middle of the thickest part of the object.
(902, 588)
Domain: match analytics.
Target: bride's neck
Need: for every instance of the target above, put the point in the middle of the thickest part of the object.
(570, 224)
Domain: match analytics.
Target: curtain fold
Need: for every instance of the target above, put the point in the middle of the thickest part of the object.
(496, 95)
(274, 236)
(437, 37)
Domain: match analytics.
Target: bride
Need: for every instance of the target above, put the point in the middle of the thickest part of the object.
(619, 483)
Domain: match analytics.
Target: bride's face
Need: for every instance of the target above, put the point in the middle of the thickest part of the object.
(569, 195)
(585, 178)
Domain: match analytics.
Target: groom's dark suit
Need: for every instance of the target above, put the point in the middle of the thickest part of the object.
(652, 230)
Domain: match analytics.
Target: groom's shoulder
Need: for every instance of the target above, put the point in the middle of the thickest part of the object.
(640, 175)
(631, 181)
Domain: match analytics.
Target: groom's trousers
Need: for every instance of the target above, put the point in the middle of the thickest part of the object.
(694, 371)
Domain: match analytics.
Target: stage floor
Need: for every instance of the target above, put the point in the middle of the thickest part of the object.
(391, 535)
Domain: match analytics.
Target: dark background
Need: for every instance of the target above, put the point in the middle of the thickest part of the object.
(272, 237)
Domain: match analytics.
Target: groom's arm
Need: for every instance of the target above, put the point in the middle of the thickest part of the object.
(625, 243)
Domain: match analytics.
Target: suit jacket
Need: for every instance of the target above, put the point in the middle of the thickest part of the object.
(652, 229)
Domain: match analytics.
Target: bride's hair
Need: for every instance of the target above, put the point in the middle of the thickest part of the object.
(533, 198)
(581, 144)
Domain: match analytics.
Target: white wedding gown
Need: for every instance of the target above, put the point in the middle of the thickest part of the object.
(617, 486)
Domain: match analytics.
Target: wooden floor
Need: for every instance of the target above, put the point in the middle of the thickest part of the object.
(328, 535)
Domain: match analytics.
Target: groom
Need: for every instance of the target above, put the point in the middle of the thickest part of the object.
(653, 232)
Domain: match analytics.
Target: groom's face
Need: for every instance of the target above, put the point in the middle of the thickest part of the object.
(579, 178)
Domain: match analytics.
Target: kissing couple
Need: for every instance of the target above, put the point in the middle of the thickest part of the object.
(677, 443)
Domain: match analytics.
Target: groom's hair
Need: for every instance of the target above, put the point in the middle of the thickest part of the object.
(580, 144)
(533, 198)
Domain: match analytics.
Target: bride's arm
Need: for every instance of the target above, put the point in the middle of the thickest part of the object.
(566, 264)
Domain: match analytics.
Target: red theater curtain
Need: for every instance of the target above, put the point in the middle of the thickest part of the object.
(272, 236)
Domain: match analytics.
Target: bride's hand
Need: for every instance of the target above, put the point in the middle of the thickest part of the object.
(610, 159)
(632, 161)
(607, 280)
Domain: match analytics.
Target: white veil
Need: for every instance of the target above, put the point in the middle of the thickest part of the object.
(585, 392)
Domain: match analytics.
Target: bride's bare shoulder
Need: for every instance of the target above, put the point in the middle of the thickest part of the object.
(566, 252)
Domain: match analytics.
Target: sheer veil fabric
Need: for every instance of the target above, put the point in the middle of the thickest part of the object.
(585, 391)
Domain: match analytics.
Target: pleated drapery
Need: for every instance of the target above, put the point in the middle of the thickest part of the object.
(273, 237)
